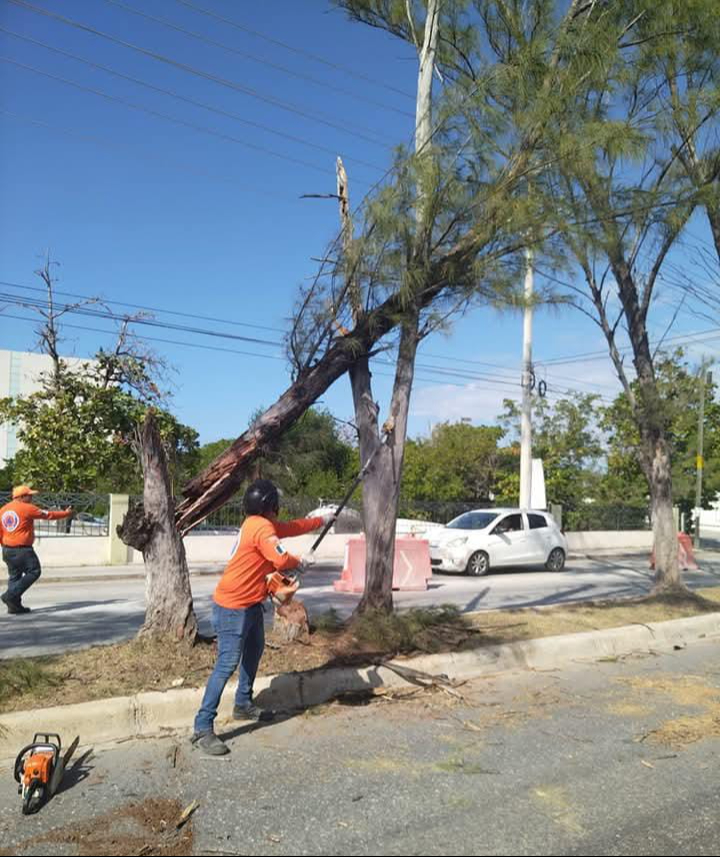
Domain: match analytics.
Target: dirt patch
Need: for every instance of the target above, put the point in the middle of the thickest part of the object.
(629, 709)
(691, 691)
(147, 828)
(689, 729)
(131, 667)
(684, 690)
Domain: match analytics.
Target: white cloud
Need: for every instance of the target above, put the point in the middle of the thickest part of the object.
(481, 402)
(449, 402)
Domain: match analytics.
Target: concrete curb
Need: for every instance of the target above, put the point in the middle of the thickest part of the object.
(160, 713)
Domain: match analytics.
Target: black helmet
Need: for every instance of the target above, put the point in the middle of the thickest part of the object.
(261, 498)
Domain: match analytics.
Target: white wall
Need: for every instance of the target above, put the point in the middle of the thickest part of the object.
(90, 550)
(610, 540)
(19, 372)
(72, 550)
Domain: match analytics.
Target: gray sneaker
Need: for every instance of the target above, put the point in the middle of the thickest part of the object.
(252, 712)
(209, 743)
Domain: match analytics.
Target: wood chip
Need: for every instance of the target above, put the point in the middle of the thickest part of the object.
(647, 764)
(186, 813)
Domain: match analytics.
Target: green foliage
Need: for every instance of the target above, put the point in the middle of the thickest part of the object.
(310, 459)
(79, 437)
(458, 462)
(566, 437)
(679, 401)
(406, 631)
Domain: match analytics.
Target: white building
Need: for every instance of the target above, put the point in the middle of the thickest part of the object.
(19, 374)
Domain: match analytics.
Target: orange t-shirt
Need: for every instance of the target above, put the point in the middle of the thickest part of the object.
(258, 552)
(17, 519)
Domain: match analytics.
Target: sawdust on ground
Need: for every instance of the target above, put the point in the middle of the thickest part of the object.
(146, 828)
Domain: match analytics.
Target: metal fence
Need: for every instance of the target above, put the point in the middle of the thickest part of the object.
(90, 519)
(229, 518)
(92, 510)
(592, 517)
(438, 511)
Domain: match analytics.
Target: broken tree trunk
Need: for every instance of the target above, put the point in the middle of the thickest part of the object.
(168, 598)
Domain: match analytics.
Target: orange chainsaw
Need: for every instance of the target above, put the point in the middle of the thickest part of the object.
(39, 769)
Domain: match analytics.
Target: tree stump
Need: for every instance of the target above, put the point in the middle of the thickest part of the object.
(291, 623)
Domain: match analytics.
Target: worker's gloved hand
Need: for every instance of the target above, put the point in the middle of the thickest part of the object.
(307, 560)
(327, 517)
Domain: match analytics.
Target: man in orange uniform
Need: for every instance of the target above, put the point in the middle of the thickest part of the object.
(17, 522)
(238, 607)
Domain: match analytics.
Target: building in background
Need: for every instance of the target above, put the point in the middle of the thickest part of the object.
(19, 376)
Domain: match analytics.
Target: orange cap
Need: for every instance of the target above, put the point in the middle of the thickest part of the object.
(22, 491)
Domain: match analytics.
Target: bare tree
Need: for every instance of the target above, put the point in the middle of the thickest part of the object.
(150, 529)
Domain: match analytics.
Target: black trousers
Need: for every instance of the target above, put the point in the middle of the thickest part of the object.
(23, 570)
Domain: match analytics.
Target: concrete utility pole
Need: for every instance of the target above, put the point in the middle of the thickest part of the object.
(527, 375)
(705, 378)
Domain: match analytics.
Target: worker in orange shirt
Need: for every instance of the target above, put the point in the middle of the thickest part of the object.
(238, 607)
(17, 524)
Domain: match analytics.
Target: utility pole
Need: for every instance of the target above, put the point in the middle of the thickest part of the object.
(705, 378)
(526, 383)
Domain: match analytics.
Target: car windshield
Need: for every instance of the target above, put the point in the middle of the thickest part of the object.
(472, 521)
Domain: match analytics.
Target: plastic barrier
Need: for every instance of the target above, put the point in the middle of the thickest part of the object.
(686, 556)
(411, 569)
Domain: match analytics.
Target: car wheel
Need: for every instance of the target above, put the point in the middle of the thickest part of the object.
(556, 560)
(478, 564)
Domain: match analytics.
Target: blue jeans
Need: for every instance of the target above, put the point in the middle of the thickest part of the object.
(23, 570)
(240, 640)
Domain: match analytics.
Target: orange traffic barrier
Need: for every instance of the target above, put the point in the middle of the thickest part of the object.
(686, 555)
(411, 569)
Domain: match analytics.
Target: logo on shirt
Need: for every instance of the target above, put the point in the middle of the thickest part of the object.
(10, 521)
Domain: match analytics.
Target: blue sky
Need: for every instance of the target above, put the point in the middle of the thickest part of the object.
(141, 209)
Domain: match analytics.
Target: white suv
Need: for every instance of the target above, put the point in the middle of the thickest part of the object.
(477, 541)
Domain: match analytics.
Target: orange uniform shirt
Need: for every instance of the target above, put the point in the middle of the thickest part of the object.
(17, 520)
(258, 553)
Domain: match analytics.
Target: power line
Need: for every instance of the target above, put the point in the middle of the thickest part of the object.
(174, 119)
(194, 102)
(590, 356)
(142, 307)
(184, 344)
(149, 322)
(300, 51)
(442, 376)
(113, 144)
(237, 87)
(513, 369)
(166, 23)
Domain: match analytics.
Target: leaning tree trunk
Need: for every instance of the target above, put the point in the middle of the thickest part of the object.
(169, 604)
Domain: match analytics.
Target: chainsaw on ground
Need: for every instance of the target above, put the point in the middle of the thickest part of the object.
(39, 769)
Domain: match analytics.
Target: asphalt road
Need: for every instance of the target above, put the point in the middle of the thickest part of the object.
(609, 758)
(89, 608)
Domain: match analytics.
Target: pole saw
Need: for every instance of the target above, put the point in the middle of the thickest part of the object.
(282, 587)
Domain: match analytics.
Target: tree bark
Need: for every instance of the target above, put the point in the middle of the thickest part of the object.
(169, 605)
(659, 475)
(655, 448)
(381, 487)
